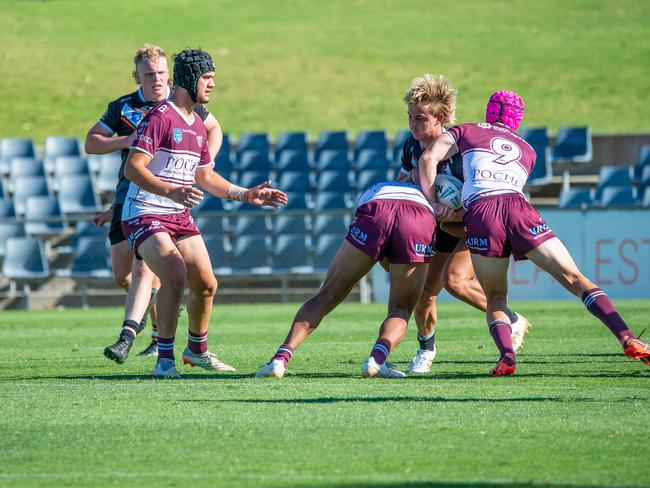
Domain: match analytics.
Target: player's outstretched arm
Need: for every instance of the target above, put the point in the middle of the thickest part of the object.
(100, 140)
(260, 195)
(136, 171)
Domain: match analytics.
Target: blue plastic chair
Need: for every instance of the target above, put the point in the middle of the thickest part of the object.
(91, 258)
(249, 179)
(297, 202)
(292, 160)
(337, 140)
(25, 259)
(109, 171)
(325, 249)
(253, 141)
(223, 162)
(25, 187)
(9, 229)
(25, 167)
(7, 211)
(573, 145)
(56, 146)
(398, 144)
(254, 160)
(250, 225)
(11, 148)
(290, 225)
(579, 198)
(333, 181)
(290, 181)
(218, 251)
(333, 160)
(371, 139)
(330, 224)
(368, 159)
(370, 177)
(612, 176)
(290, 252)
(332, 201)
(77, 195)
(538, 138)
(292, 141)
(618, 197)
(250, 252)
(43, 218)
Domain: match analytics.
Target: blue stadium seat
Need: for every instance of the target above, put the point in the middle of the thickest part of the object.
(250, 225)
(400, 138)
(11, 148)
(210, 203)
(77, 195)
(331, 140)
(70, 165)
(580, 197)
(7, 230)
(56, 146)
(250, 252)
(215, 225)
(249, 179)
(291, 252)
(219, 253)
(85, 228)
(25, 259)
(292, 160)
(333, 181)
(290, 225)
(109, 169)
(91, 258)
(618, 197)
(325, 248)
(612, 176)
(330, 224)
(538, 138)
(291, 181)
(254, 161)
(645, 200)
(297, 201)
(43, 217)
(332, 201)
(223, 162)
(333, 160)
(371, 159)
(251, 141)
(7, 211)
(642, 162)
(291, 141)
(25, 167)
(370, 177)
(645, 180)
(95, 161)
(371, 139)
(25, 187)
(573, 145)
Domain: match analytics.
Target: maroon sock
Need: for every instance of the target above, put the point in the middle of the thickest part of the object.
(166, 348)
(502, 335)
(197, 343)
(380, 351)
(284, 353)
(601, 307)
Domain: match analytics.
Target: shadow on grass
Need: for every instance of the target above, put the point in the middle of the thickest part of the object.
(424, 399)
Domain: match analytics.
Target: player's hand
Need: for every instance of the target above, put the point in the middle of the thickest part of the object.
(100, 218)
(262, 195)
(442, 212)
(186, 195)
(130, 140)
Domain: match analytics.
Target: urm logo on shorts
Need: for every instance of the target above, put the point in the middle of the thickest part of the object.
(178, 136)
(358, 234)
(423, 249)
(538, 229)
(480, 243)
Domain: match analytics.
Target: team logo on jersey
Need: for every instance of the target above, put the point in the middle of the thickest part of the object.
(538, 229)
(199, 139)
(178, 136)
(478, 243)
(358, 235)
(163, 108)
(133, 115)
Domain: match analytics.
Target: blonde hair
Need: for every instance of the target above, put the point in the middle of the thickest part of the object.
(148, 51)
(437, 92)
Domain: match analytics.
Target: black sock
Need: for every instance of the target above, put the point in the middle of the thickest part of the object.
(427, 343)
(129, 330)
(511, 315)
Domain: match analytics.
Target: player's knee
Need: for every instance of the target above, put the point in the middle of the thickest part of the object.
(209, 288)
(123, 280)
(456, 284)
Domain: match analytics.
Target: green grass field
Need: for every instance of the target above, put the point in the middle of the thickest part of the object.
(341, 64)
(576, 414)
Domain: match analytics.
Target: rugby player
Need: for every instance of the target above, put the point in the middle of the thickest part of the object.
(115, 131)
(431, 102)
(393, 221)
(499, 222)
(169, 154)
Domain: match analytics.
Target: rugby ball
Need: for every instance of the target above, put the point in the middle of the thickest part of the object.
(448, 190)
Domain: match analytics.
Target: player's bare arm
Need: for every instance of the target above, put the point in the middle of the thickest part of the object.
(100, 140)
(137, 172)
(215, 135)
(442, 148)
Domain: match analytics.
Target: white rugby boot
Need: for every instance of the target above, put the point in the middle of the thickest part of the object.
(519, 329)
(207, 360)
(371, 369)
(275, 367)
(422, 361)
(166, 369)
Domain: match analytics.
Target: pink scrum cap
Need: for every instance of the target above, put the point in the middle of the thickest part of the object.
(506, 107)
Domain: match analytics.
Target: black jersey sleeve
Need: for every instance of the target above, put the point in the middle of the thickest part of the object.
(201, 111)
(111, 118)
(407, 155)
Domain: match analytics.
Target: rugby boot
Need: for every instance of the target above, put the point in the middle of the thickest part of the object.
(275, 367)
(150, 350)
(371, 369)
(636, 349)
(119, 351)
(519, 329)
(166, 370)
(422, 361)
(505, 366)
(207, 360)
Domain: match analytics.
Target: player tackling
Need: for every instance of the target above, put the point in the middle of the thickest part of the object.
(169, 155)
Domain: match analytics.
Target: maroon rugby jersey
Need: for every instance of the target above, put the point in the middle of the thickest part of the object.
(495, 159)
(178, 146)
